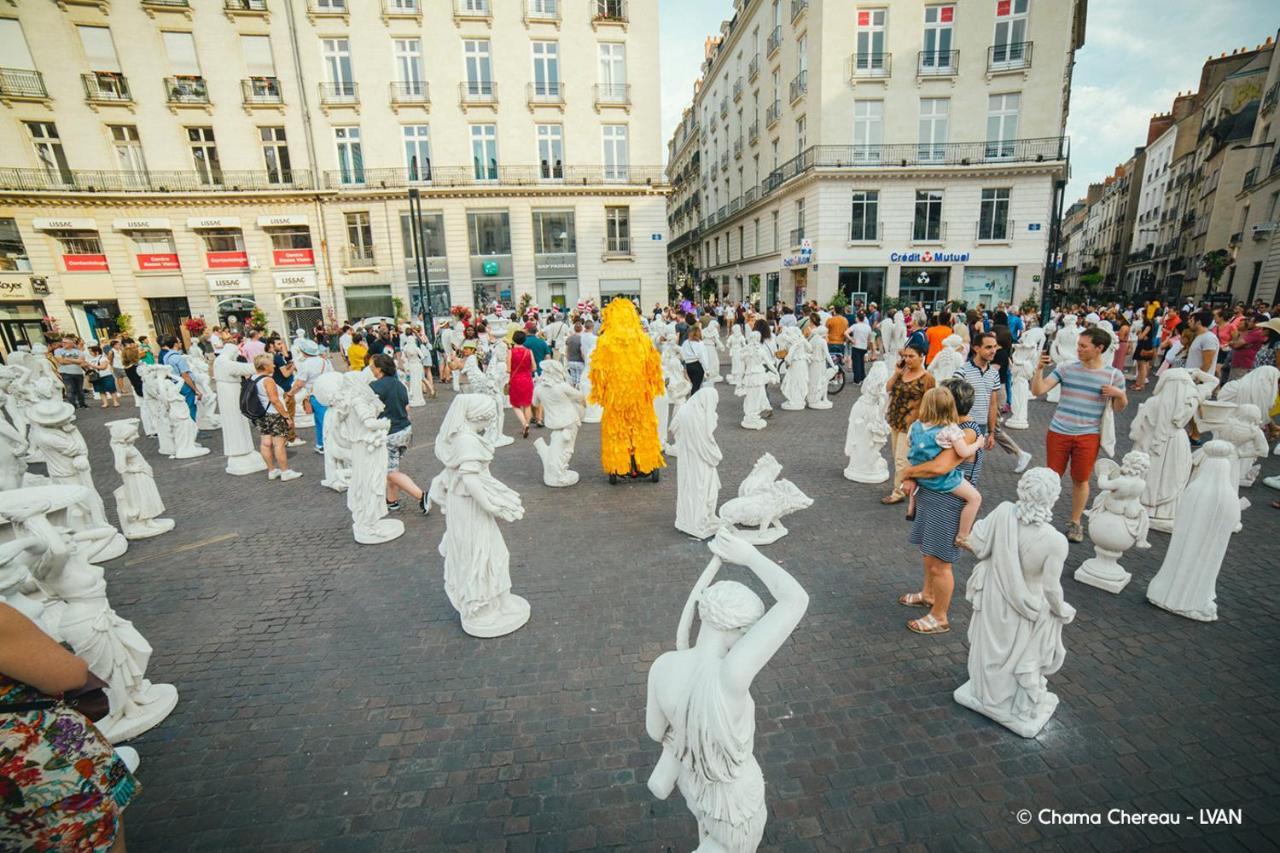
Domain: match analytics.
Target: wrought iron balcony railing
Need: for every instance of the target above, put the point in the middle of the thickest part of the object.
(937, 63)
(773, 113)
(774, 42)
(799, 86)
(106, 87)
(1009, 57)
(261, 91)
(410, 92)
(478, 92)
(613, 94)
(870, 65)
(609, 11)
(93, 181)
(516, 176)
(546, 92)
(186, 90)
(245, 5)
(22, 83)
(339, 93)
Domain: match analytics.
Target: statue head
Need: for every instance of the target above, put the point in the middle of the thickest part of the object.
(1070, 321)
(729, 607)
(124, 430)
(327, 388)
(953, 342)
(1136, 463)
(52, 413)
(1218, 449)
(1249, 413)
(468, 412)
(554, 372)
(755, 337)
(1038, 491)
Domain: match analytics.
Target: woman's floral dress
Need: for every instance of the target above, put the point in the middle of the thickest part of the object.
(62, 786)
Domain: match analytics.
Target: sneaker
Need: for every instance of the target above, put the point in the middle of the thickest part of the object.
(1075, 532)
(290, 475)
(297, 442)
(318, 449)
(273, 474)
(425, 503)
(393, 506)
(1024, 459)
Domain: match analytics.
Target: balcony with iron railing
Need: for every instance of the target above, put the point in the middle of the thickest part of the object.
(546, 93)
(774, 42)
(94, 181)
(870, 66)
(472, 10)
(512, 176)
(609, 12)
(612, 95)
(724, 162)
(249, 7)
(106, 87)
(799, 85)
(167, 5)
(724, 107)
(931, 232)
(937, 63)
(339, 94)
(1263, 230)
(261, 92)
(753, 67)
(797, 8)
(410, 93)
(737, 149)
(542, 12)
(753, 132)
(738, 86)
(1013, 56)
(186, 91)
(617, 247)
(327, 9)
(478, 93)
(21, 84)
(995, 231)
(773, 113)
(865, 232)
(401, 9)
(361, 257)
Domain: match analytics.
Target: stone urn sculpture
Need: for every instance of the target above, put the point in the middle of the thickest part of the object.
(1117, 520)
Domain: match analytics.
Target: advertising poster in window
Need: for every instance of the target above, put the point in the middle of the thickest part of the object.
(226, 260)
(988, 285)
(84, 263)
(158, 261)
(293, 257)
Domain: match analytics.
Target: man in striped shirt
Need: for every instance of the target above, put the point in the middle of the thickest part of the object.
(1088, 386)
(983, 374)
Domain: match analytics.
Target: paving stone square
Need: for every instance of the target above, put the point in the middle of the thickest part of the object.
(330, 701)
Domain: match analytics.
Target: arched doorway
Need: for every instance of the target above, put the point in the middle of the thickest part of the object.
(302, 311)
(234, 310)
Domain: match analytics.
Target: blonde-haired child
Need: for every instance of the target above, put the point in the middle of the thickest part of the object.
(938, 428)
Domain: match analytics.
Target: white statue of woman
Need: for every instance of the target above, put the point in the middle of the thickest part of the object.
(757, 372)
(1258, 387)
(1242, 431)
(1015, 633)
(497, 373)
(138, 503)
(678, 384)
(1117, 520)
(414, 369)
(180, 423)
(893, 335)
(795, 378)
(711, 351)
(763, 499)
(238, 446)
(821, 369)
(949, 359)
(1207, 514)
(207, 415)
(1159, 430)
(365, 433)
(13, 443)
(735, 343)
(477, 565)
(868, 429)
(1063, 350)
(1022, 367)
(155, 405)
(111, 646)
(17, 557)
(16, 376)
(562, 410)
(328, 389)
(697, 457)
(699, 704)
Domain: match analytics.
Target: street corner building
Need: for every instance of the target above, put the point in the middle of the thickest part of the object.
(165, 159)
(909, 149)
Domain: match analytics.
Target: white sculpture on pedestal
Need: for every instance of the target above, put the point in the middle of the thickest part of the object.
(699, 704)
(53, 432)
(13, 442)
(795, 378)
(949, 359)
(678, 384)
(868, 429)
(155, 406)
(711, 351)
(328, 391)
(735, 344)
(1015, 633)
(1242, 430)
(180, 423)
(138, 503)
(893, 336)
(111, 646)
(497, 373)
(1063, 350)
(697, 457)
(758, 371)
(1022, 366)
(1259, 388)
(1159, 430)
(413, 355)
(477, 565)
(762, 501)
(17, 557)
(1207, 514)
(821, 369)
(562, 410)
(1117, 520)
(238, 446)
(207, 415)
(365, 433)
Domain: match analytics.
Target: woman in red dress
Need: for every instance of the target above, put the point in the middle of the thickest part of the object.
(520, 371)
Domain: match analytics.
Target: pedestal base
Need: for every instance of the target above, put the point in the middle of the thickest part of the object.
(247, 463)
(788, 406)
(146, 529)
(857, 475)
(1101, 574)
(509, 614)
(570, 478)
(192, 453)
(1024, 726)
(383, 531)
(155, 702)
(821, 406)
(760, 535)
(503, 441)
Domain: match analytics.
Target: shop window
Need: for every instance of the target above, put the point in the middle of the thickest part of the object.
(13, 253)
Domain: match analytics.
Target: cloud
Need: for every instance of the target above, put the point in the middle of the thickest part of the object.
(1105, 124)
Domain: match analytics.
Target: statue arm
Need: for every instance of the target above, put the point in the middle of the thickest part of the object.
(1052, 579)
(655, 722)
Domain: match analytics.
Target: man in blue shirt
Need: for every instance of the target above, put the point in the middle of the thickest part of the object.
(176, 360)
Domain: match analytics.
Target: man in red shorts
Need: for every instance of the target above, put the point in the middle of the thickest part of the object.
(1074, 433)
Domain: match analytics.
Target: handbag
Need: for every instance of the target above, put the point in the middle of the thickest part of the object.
(90, 700)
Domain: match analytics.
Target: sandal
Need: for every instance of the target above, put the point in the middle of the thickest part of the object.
(1275, 504)
(525, 432)
(892, 499)
(926, 624)
(914, 599)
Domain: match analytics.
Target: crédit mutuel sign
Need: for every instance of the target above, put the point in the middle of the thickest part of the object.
(929, 257)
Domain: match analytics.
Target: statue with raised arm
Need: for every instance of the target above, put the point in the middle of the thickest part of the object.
(699, 704)
(563, 407)
(1117, 520)
(795, 379)
(1022, 366)
(1015, 633)
(697, 458)
(868, 429)
(238, 445)
(1159, 430)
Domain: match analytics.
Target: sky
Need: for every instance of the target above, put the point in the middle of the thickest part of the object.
(1138, 54)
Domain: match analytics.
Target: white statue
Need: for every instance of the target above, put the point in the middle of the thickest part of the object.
(1159, 430)
(563, 408)
(13, 441)
(678, 384)
(207, 415)
(699, 704)
(762, 501)
(1022, 366)
(821, 369)
(18, 587)
(16, 375)
(414, 369)
(497, 373)
(111, 646)
(736, 343)
(758, 371)
(893, 336)
(1243, 431)
(869, 429)
(328, 389)
(1207, 514)
(238, 446)
(365, 434)
(1015, 633)
(155, 406)
(595, 412)
(795, 378)
(1063, 350)
(138, 503)
(697, 457)
(477, 565)
(711, 351)
(1117, 520)
(180, 423)
(1259, 388)
(53, 432)
(949, 359)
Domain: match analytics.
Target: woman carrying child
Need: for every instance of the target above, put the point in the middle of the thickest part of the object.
(938, 428)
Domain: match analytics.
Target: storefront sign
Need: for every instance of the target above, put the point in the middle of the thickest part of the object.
(158, 261)
(800, 259)
(481, 266)
(64, 225)
(281, 220)
(229, 282)
(300, 280)
(147, 224)
(15, 288)
(226, 260)
(559, 265)
(213, 222)
(293, 258)
(929, 257)
(84, 263)
(490, 268)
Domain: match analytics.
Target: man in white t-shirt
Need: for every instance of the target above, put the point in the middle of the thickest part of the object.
(344, 340)
(860, 342)
(1203, 352)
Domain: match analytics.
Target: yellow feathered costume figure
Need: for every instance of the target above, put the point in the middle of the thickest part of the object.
(626, 376)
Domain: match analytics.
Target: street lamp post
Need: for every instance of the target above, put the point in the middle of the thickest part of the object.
(419, 252)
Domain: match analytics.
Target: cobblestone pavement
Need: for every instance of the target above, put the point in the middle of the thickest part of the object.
(329, 700)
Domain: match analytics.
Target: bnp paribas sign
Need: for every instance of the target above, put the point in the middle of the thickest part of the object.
(929, 257)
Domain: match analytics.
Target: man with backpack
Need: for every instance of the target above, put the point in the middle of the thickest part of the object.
(175, 359)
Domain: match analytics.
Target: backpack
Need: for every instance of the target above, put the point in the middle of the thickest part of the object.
(250, 403)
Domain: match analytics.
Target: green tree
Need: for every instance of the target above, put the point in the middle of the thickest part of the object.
(1213, 265)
